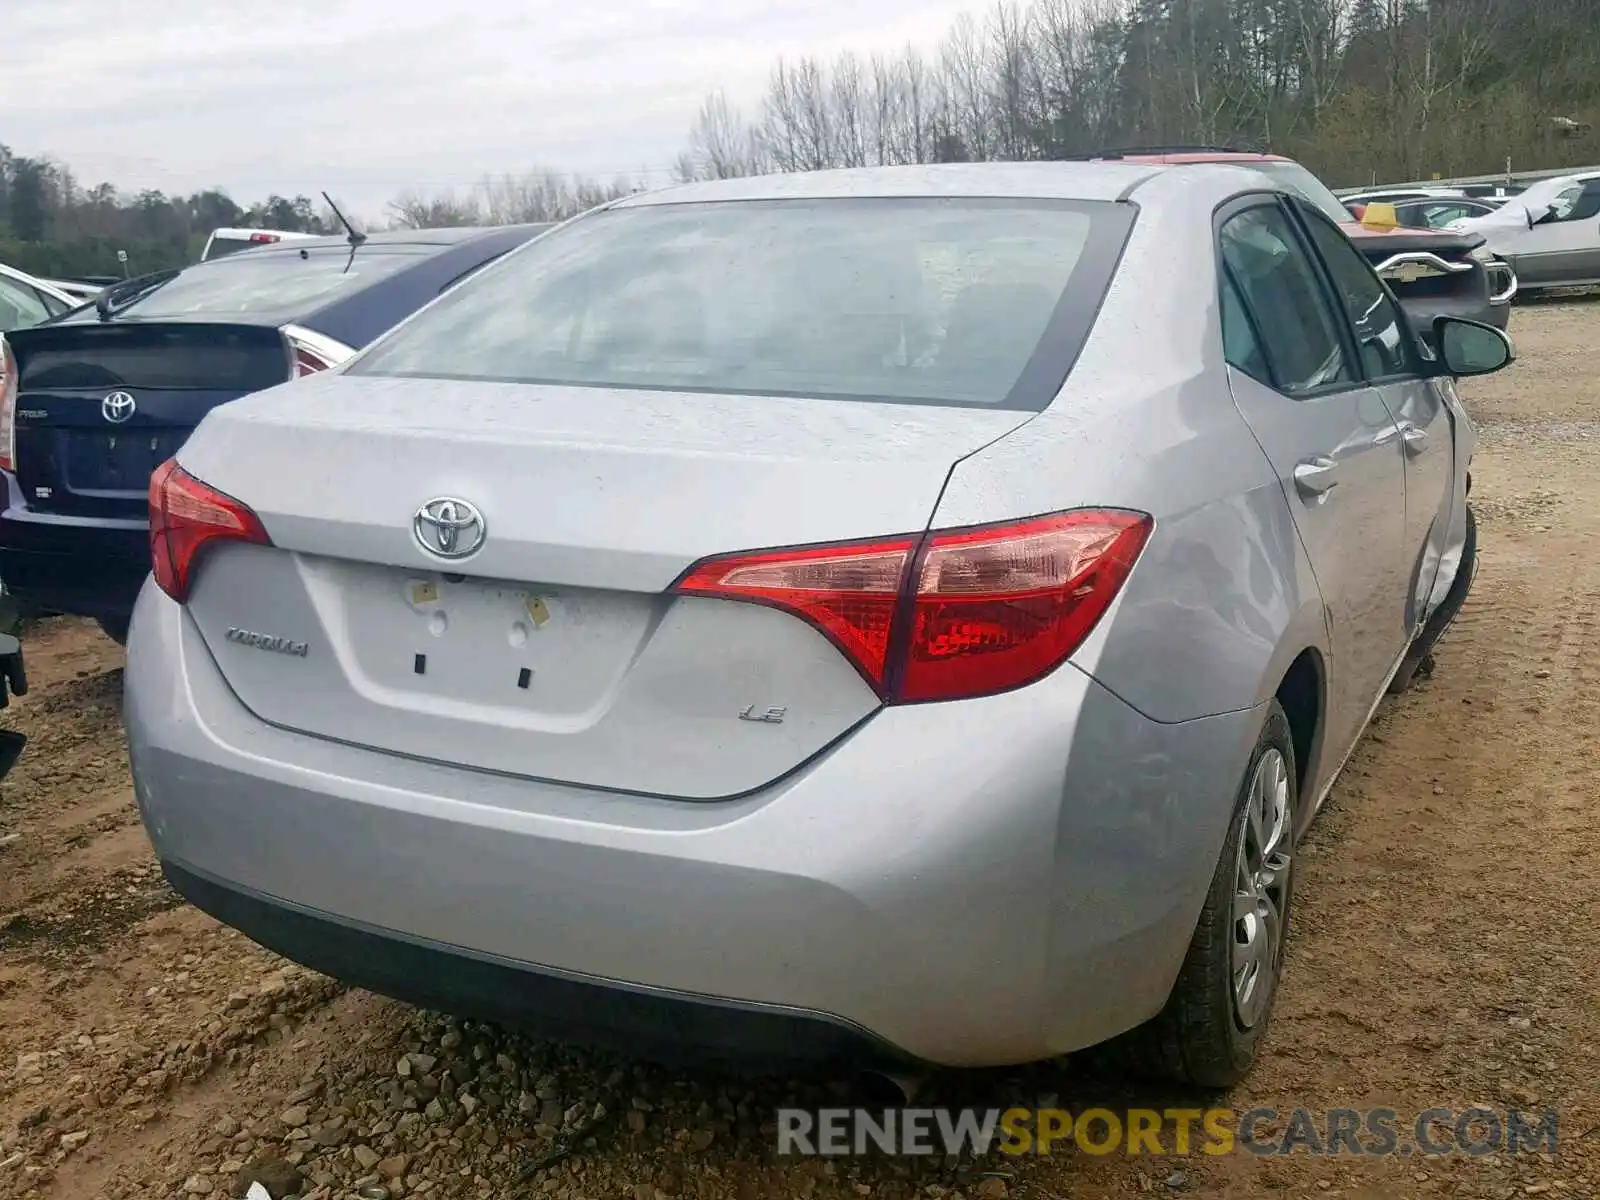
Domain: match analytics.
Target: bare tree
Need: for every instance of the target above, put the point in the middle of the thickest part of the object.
(849, 102)
(1356, 88)
(411, 210)
(721, 144)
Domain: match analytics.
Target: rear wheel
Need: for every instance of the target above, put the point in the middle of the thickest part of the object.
(115, 628)
(1211, 1028)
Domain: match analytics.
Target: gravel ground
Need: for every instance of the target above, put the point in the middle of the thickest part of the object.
(1446, 950)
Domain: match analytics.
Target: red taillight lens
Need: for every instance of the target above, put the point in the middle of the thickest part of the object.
(8, 407)
(307, 363)
(848, 591)
(951, 614)
(264, 238)
(311, 351)
(186, 516)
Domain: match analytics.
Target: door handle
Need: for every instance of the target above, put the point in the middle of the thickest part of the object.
(1415, 439)
(1392, 432)
(1315, 477)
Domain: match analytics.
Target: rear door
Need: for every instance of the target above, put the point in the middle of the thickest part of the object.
(1298, 383)
(1391, 362)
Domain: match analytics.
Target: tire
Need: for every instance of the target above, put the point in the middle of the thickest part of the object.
(1206, 1035)
(115, 628)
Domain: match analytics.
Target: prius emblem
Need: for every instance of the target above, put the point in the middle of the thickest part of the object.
(117, 407)
(449, 528)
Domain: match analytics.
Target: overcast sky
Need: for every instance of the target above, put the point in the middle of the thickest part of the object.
(368, 98)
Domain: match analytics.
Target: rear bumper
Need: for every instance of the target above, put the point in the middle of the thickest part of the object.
(660, 1024)
(74, 565)
(969, 884)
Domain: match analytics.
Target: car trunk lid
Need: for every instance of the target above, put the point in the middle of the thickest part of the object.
(100, 406)
(554, 651)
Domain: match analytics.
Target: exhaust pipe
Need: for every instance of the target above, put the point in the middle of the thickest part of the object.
(907, 1086)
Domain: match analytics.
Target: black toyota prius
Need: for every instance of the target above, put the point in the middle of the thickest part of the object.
(94, 400)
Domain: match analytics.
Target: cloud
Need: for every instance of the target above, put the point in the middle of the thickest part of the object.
(371, 97)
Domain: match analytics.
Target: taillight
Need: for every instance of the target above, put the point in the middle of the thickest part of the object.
(8, 407)
(307, 363)
(264, 238)
(186, 516)
(951, 614)
(311, 351)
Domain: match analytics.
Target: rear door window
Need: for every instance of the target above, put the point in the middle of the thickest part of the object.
(1279, 283)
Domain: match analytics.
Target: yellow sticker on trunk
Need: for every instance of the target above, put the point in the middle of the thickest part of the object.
(424, 593)
(538, 611)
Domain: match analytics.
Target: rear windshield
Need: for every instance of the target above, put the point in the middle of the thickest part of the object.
(272, 284)
(955, 301)
(1297, 179)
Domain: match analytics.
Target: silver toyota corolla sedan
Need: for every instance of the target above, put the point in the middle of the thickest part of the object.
(902, 614)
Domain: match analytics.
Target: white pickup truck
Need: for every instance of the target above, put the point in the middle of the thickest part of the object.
(231, 241)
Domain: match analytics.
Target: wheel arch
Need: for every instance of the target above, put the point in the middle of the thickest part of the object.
(1303, 693)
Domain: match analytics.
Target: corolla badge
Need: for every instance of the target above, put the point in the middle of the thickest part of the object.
(267, 641)
(117, 407)
(448, 527)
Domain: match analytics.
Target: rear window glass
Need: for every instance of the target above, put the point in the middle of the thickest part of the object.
(1297, 179)
(941, 300)
(272, 284)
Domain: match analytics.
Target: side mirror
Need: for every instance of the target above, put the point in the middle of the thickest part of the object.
(1471, 347)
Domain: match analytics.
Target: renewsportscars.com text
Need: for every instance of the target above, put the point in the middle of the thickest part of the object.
(1373, 1132)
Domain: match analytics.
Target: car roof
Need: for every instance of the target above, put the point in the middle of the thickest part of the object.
(452, 236)
(1178, 157)
(1036, 180)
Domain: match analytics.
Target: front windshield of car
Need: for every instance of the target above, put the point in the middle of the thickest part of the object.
(1295, 177)
(933, 300)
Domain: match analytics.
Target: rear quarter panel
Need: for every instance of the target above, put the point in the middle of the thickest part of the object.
(1222, 598)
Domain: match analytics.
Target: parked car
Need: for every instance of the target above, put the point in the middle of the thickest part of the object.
(26, 301)
(81, 291)
(1439, 214)
(1433, 272)
(231, 241)
(93, 401)
(1355, 201)
(1550, 233)
(899, 612)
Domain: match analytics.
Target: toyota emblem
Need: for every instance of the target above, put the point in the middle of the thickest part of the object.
(117, 407)
(449, 528)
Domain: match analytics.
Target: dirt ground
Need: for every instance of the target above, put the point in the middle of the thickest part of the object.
(1446, 949)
